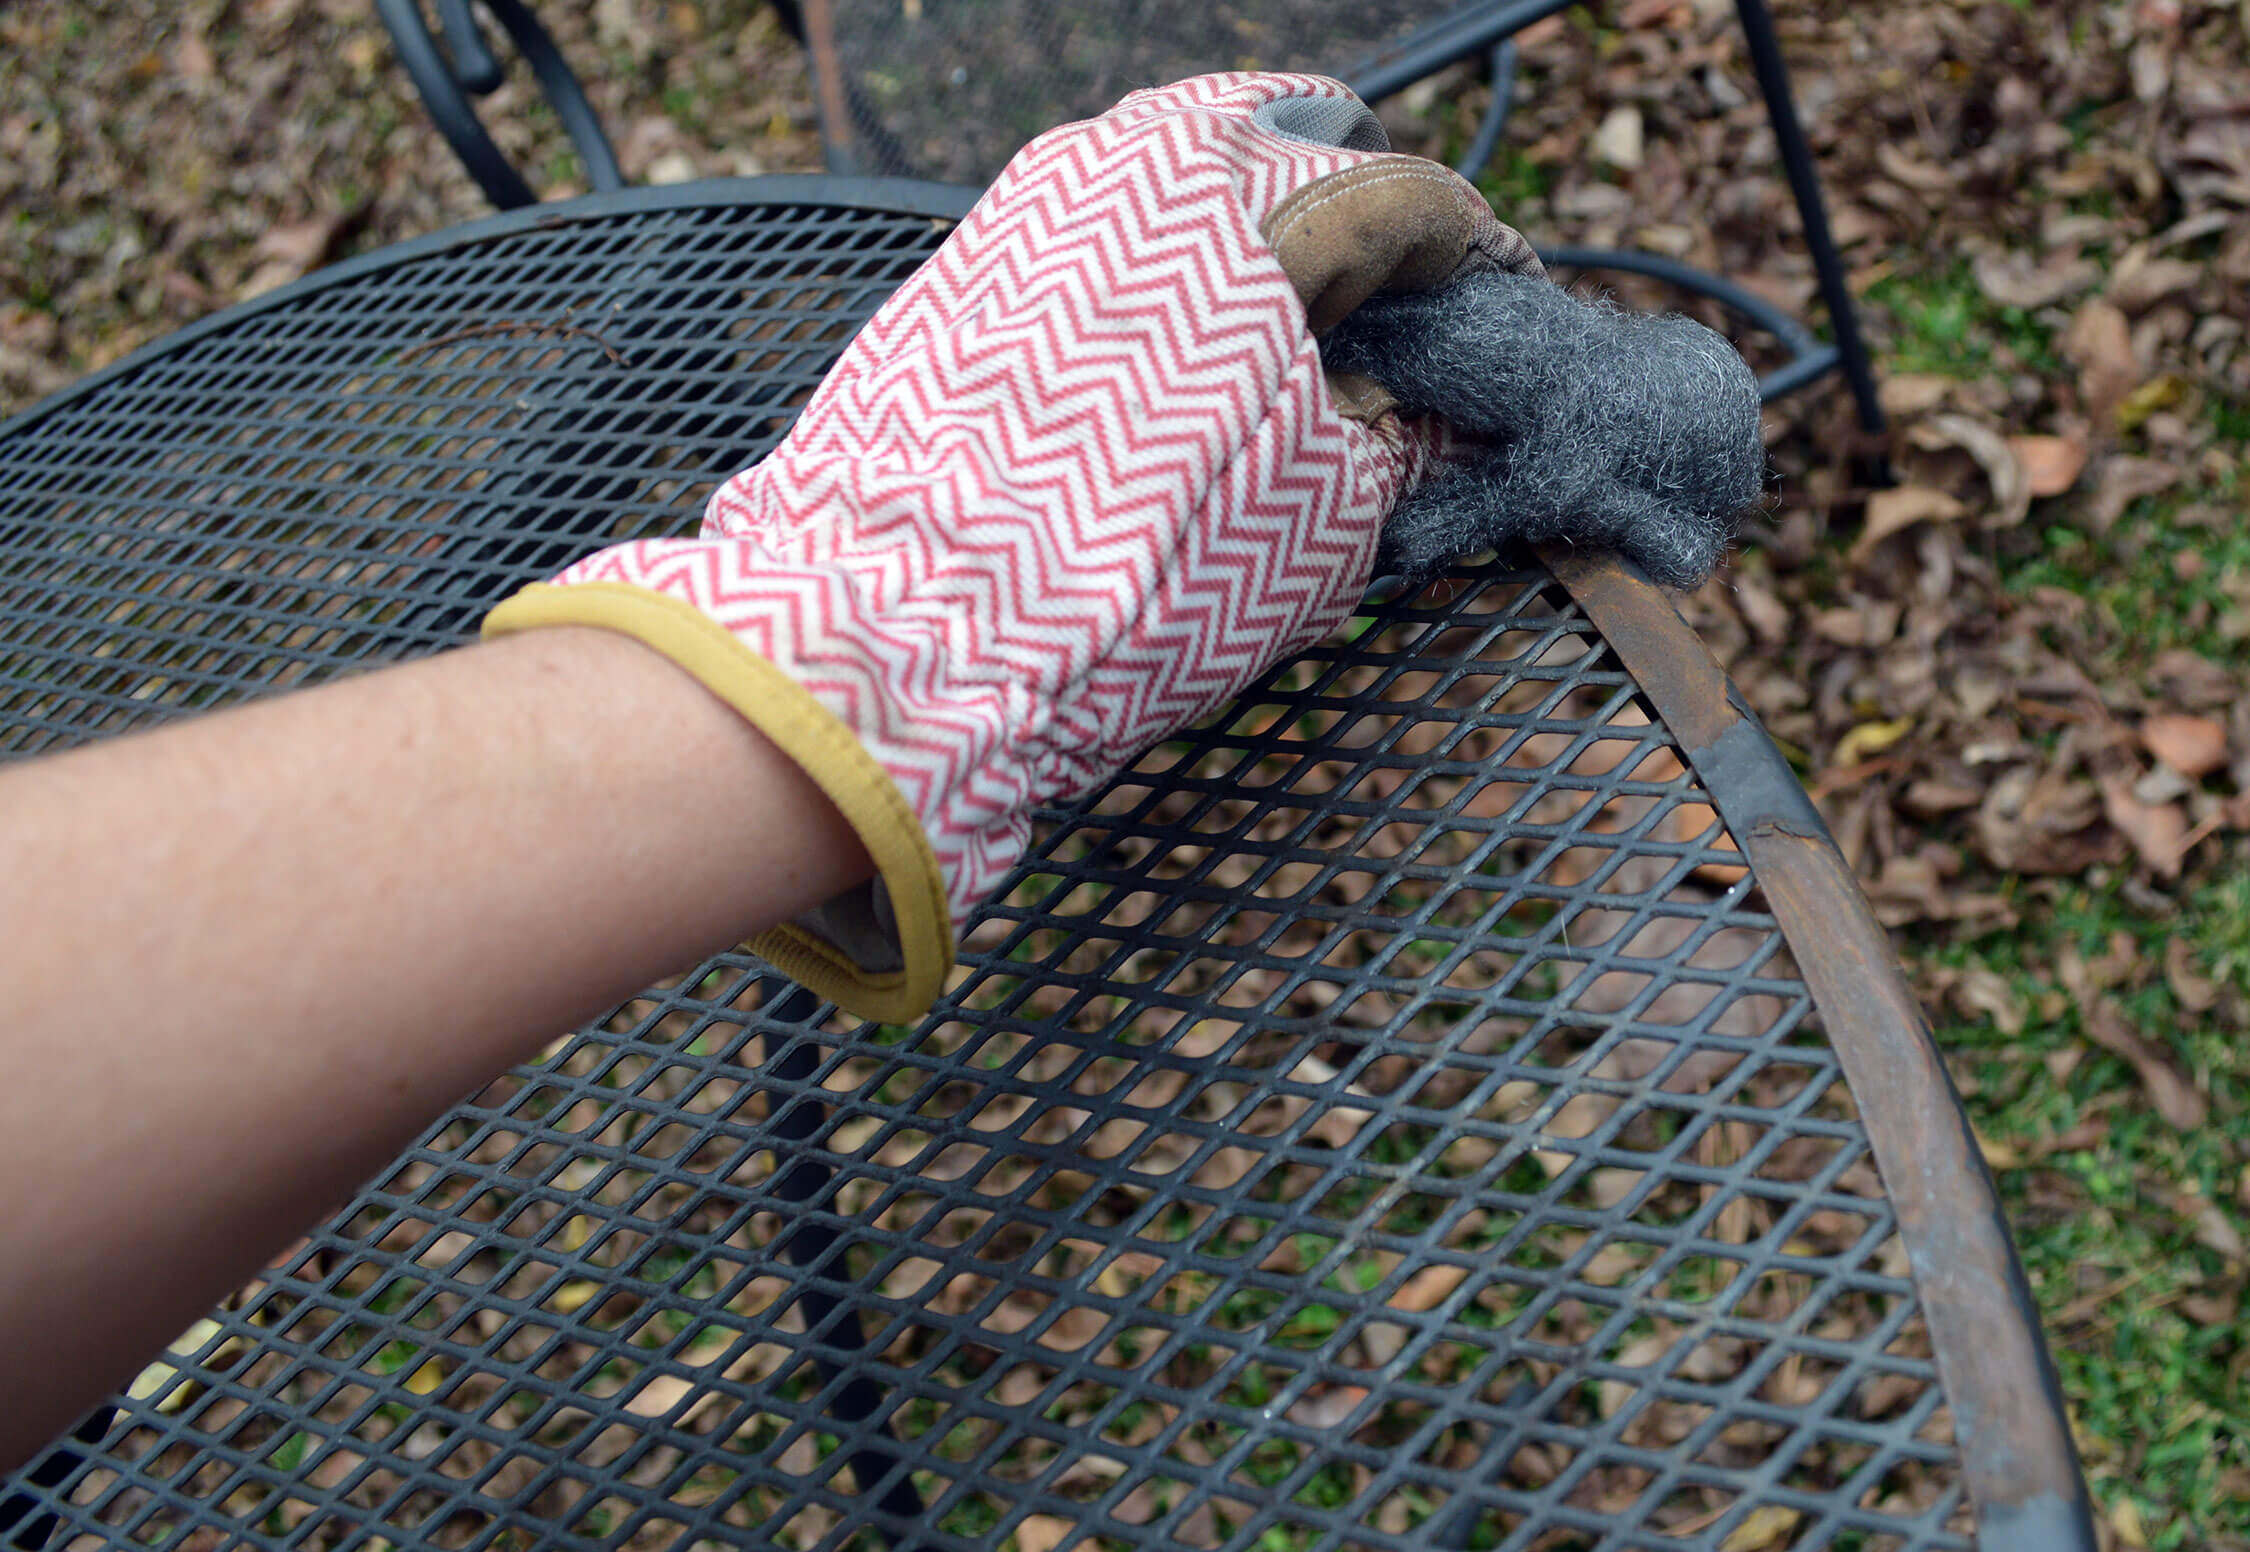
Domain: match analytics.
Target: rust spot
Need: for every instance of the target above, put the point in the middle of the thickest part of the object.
(1983, 1323)
(1689, 688)
(2016, 1452)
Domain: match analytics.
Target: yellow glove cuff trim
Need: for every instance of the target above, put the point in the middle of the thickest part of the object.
(829, 752)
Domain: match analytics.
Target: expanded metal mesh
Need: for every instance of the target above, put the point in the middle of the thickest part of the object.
(363, 470)
(1386, 1117)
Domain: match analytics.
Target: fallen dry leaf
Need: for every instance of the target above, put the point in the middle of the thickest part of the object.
(2118, 963)
(1041, 1532)
(2011, 490)
(2175, 1099)
(2143, 404)
(2125, 1521)
(2195, 991)
(2188, 679)
(1637, 14)
(1932, 796)
(1073, 1328)
(2013, 279)
(1921, 887)
(365, 54)
(191, 57)
(2051, 464)
(659, 1395)
(157, 1376)
(574, 1295)
(1923, 177)
(1915, 393)
(1864, 623)
(1990, 993)
(2212, 159)
(2149, 64)
(1766, 1526)
(1898, 509)
(302, 243)
(2214, 1230)
(1428, 1288)
(1618, 140)
(1765, 614)
(2122, 481)
(2158, 831)
(2043, 822)
(1999, 1157)
(2100, 344)
(2140, 282)
(2213, 1309)
(2193, 746)
(1870, 738)
(1327, 1406)
(296, 248)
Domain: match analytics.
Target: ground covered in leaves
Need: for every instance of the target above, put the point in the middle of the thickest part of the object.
(2014, 679)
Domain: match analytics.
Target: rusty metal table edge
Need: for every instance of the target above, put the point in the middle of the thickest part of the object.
(2017, 1457)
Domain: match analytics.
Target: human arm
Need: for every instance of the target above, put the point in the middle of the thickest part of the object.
(1076, 484)
(249, 956)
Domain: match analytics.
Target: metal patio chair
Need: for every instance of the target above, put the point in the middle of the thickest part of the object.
(950, 89)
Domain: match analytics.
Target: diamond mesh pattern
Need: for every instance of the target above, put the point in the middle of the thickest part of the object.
(363, 470)
(1384, 1118)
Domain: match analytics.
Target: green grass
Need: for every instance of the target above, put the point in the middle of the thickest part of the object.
(1511, 180)
(2138, 1303)
(1943, 324)
(2127, 1224)
(2174, 571)
(2159, 580)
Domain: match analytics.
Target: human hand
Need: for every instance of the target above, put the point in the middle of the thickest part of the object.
(1071, 488)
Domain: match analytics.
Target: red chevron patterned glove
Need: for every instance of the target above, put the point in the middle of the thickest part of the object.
(1071, 488)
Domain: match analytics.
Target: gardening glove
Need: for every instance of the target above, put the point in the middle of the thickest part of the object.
(1075, 485)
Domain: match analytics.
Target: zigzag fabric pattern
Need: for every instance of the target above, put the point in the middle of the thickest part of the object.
(1072, 487)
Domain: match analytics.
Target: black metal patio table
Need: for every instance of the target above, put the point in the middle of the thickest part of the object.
(1456, 1098)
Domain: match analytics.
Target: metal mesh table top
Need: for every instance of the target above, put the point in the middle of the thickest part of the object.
(1388, 1116)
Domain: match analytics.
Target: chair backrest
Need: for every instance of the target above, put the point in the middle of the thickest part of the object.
(950, 89)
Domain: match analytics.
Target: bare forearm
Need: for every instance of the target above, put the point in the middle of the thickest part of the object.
(242, 960)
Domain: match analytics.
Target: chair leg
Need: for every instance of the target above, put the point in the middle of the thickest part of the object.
(1501, 65)
(1804, 183)
(809, 1243)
